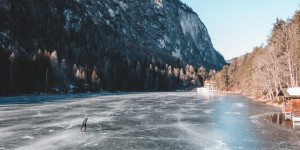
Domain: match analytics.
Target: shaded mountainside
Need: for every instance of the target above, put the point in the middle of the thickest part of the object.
(105, 36)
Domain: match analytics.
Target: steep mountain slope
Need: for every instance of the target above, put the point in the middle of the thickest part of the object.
(97, 32)
(159, 24)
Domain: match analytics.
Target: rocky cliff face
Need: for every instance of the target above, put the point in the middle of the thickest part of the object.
(126, 45)
(165, 25)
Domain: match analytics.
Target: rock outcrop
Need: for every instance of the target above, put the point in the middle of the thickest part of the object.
(165, 25)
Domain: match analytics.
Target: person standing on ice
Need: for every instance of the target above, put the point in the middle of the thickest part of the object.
(84, 124)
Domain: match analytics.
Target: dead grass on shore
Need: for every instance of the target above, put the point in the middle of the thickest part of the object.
(261, 99)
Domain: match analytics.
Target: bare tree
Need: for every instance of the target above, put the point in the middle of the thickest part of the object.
(293, 46)
(284, 36)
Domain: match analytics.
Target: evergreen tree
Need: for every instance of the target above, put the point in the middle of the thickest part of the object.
(95, 80)
(12, 58)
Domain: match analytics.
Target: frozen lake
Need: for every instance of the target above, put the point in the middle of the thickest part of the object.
(167, 120)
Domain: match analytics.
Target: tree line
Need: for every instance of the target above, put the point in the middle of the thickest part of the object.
(270, 67)
(45, 72)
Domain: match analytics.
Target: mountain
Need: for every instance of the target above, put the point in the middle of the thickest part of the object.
(99, 33)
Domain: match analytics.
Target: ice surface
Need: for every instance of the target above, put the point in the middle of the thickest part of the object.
(167, 120)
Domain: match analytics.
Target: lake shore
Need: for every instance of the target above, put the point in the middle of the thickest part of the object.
(262, 100)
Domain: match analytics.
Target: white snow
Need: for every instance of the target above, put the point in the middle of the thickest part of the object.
(177, 54)
(107, 22)
(161, 43)
(27, 137)
(294, 91)
(111, 13)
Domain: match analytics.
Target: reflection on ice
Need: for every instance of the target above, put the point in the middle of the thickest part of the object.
(279, 119)
(296, 126)
(183, 120)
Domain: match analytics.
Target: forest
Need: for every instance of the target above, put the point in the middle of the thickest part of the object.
(130, 69)
(270, 67)
(40, 52)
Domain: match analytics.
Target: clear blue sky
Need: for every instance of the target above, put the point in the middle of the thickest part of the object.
(237, 26)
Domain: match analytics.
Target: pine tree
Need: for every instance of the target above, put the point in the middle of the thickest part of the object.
(95, 80)
(12, 57)
(147, 80)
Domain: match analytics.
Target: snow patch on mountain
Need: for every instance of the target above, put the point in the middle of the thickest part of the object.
(177, 54)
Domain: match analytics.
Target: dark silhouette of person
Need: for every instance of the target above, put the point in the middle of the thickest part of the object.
(84, 124)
